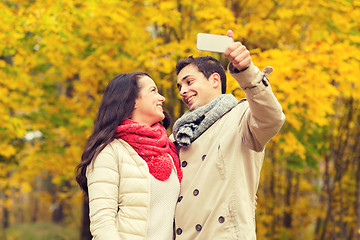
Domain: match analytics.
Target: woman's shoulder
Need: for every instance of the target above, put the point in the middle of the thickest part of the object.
(116, 148)
(122, 150)
(119, 145)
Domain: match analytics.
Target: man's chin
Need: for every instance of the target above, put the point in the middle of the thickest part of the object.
(192, 107)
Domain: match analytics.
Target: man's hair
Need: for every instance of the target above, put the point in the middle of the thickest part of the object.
(206, 65)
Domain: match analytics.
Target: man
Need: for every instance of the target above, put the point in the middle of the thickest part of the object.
(222, 144)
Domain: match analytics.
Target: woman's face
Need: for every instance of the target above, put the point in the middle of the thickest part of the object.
(148, 106)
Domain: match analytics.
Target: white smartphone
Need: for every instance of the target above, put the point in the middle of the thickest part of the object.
(212, 42)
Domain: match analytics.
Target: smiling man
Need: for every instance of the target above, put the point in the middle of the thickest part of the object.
(222, 143)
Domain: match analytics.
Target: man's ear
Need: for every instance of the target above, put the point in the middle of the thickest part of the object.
(216, 80)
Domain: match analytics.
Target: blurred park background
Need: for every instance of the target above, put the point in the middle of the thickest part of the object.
(56, 57)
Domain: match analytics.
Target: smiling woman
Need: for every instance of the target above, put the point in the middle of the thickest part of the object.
(130, 169)
(148, 106)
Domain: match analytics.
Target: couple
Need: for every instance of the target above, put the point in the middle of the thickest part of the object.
(132, 171)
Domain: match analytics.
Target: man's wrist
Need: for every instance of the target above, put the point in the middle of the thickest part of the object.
(235, 70)
(248, 78)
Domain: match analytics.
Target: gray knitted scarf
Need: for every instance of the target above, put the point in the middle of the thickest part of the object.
(193, 123)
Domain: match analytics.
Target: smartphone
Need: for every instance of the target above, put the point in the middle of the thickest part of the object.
(212, 42)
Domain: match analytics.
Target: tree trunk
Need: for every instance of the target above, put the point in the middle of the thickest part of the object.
(35, 211)
(57, 212)
(287, 218)
(357, 203)
(6, 215)
(328, 189)
(341, 212)
(272, 192)
(5, 212)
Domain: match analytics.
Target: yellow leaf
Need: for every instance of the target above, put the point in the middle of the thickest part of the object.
(7, 150)
(25, 187)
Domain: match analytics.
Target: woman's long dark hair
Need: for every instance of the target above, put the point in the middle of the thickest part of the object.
(116, 105)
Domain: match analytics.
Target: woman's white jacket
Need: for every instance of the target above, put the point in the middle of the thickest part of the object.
(119, 193)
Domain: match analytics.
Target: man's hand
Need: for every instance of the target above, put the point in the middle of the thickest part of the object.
(255, 201)
(237, 54)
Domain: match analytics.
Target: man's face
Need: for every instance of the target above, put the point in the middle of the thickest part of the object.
(195, 89)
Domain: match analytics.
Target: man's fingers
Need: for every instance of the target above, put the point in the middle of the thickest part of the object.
(233, 50)
(240, 57)
(237, 54)
(242, 64)
(230, 34)
(256, 201)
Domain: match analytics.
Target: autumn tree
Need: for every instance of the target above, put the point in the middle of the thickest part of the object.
(56, 57)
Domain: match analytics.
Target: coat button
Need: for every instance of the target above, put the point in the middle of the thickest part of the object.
(196, 192)
(184, 164)
(180, 198)
(221, 219)
(198, 227)
(203, 157)
(178, 231)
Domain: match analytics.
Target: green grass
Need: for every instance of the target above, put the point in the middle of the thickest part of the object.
(40, 231)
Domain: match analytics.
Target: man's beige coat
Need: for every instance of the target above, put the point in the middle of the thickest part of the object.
(222, 167)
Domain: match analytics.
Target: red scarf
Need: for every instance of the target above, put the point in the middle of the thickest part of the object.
(153, 145)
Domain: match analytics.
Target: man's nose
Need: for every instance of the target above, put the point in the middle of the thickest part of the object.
(183, 90)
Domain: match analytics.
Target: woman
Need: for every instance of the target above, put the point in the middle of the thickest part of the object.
(129, 168)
